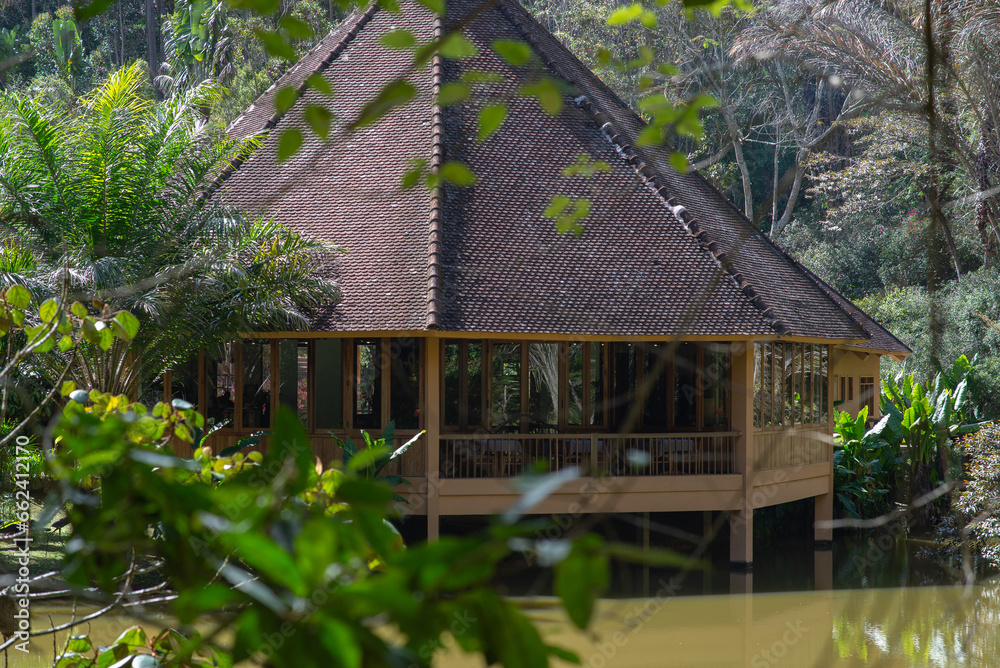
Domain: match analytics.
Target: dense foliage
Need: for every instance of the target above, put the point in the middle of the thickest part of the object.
(106, 199)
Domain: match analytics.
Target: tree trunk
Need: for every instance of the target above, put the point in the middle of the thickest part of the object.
(152, 53)
(987, 164)
(734, 134)
(774, 187)
(793, 194)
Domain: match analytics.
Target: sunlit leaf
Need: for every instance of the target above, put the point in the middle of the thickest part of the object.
(288, 143)
(491, 117)
(285, 98)
(457, 47)
(295, 27)
(514, 51)
(319, 119)
(452, 93)
(18, 296)
(395, 94)
(547, 93)
(319, 83)
(457, 173)
(398, 39)
(276, 44)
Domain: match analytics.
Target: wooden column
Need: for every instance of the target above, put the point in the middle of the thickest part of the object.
(741, 520)
(432, 423)
(823, 504)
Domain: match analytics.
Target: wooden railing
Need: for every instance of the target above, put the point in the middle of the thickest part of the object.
(790, 447)
(508, 455)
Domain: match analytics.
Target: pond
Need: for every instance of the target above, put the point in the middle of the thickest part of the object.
(875, 599)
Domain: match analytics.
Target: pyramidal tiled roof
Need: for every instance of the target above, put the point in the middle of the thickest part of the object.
(661, 253)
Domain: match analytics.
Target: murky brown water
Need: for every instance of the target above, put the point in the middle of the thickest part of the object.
(919, 626)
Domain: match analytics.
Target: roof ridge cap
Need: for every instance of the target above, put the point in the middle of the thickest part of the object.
(360, 20)
(649, 180)
(436, 222)
(831, 292)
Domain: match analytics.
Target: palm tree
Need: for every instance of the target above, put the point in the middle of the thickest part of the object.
(879, 50)
(108, 201)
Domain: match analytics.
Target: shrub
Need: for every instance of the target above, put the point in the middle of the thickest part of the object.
(979, 502)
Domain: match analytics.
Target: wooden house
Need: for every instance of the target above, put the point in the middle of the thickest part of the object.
(670, 350)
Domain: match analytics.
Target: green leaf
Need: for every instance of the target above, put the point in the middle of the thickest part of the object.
(289, 143)
(679, 162)
(548, 94)
(491, 117)
(65, 343)
(364, 492)
(395, 94)
(129, 324)
(79, 644)
(49, 310)
(457, 173)
(414, 174)
(319, 119)
(18, 296)
(276, 44)
(452, 93)
(626, 14)
(67, 389)
(87, 12)
(514, 51)
(651, 135)
(295, 27)
(105, 337)
(35, 336)
(457, 47)
(284, 99)
(556, 206)
(133, 638)
(436, 6)
(581, 578)
(79, 310)
(319, 83)
(398, 39)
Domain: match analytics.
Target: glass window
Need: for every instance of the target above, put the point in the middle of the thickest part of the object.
(778, 378)
(293, 390)
(824, 370)
(474, 383)
(329, 399)
(367, 384)
(596, 405)
(767, 384)
(654, 382)
(543, 387)
(220, 378)
(574, 386)
(758, 385)
(404, 388)
(789, 391)
(463, 384)
(715, 404)
(184, 381)
(623, 376)
(452, 384)
(506, 403)
(685, 385)
(256, 379)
